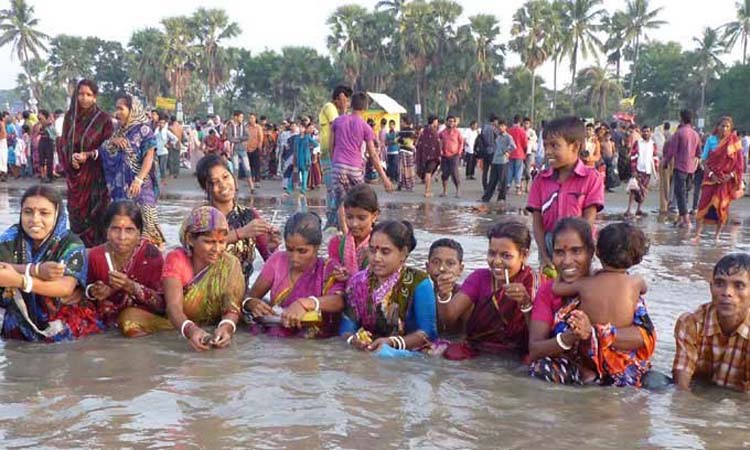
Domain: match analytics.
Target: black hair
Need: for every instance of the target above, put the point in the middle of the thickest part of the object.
(48, 192)
(44, 112)
(391, 122)
(384, 121)
(203, 169)
(370, 122)
(450, 117)
(432, 118)
(589, 125)
(360, 101)
(621, 245)
(644, 127)
(578, 225)
(569, 128)
(25, 128)
(362, 196)
(527, 119)
(407, 121)
(447, 243)
(472, 123)
(262, 118)
(732, 264)
(400, 232)
(91, 84)
(26, 115)
(512, 229)
(341, 89)
(516, 118)
(686, 116)
(127, 97)
(501, 121)
(236, 113)
(667, 126)
(127, 208)
(58, 111)
(172, 119)
(308, 225)
(211, 131)
(493, 117)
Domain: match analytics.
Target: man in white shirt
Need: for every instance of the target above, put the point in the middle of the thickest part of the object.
(643, 164)
(164, 138)
(531, 149)
(470, 137)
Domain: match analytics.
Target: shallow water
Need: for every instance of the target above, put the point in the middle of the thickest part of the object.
(109, 392)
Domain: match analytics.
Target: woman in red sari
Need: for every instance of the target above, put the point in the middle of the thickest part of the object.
(85, 128)
(722, 184)
(126, 271)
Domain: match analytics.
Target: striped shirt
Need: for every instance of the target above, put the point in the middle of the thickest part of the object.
(705, 352)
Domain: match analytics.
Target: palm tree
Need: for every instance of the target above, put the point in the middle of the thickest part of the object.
(345, 40)
(555, 37)
(178, 54)
(486, 29)
(418, 40)
(145, 66)
(580, 38)
(393, 7)
(614, 26)
(18, 28)
(212, 27)
(529, 25)
(710, 47)
(68, 60)
(599, 86)
(739, 29)
(638, 19)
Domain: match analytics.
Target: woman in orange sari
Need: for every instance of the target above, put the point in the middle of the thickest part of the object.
(724, 165)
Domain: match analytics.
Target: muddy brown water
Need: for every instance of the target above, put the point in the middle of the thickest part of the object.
(109, 392)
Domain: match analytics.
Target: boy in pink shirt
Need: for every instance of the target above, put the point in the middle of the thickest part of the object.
(567, 187)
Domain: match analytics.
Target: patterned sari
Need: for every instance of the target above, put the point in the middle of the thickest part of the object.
(611, 366)
(209, 294)
(121, 166)
(144, 267)
(400, 305)
(317, 280)
(87, 191)
(343, 251)
(496, 324)
(244, 249)
(716, 196)
(49, 319)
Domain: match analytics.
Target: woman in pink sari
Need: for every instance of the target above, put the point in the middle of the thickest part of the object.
(301, 284)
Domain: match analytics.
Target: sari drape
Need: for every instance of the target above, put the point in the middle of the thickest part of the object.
(87, 191)
(60, 321)
(716, 196)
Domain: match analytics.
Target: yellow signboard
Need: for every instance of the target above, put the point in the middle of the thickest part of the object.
(170, 104)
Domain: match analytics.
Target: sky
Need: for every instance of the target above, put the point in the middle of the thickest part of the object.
(272, 25)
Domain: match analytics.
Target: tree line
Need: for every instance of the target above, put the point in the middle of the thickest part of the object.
(418, 51)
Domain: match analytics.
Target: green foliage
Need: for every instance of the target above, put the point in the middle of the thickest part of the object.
(728, 94)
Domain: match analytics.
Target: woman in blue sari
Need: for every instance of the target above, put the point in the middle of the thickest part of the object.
(128, 159)
(41, 264)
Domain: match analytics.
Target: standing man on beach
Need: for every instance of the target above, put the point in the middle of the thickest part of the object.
(451, 147)
(254, 147)
(684, 147)
(337, 106)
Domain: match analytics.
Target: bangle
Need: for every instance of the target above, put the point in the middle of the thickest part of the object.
(86, 292)
(27, 284)
(443, 302)
(139, 180)
(247, 299)
(317, 303)
(562, 343)
(527, 309)
(395, 343)
(28, 269)
(350, 339)
(36, 269)
(402, 341)
(184, 325)
(223, 321)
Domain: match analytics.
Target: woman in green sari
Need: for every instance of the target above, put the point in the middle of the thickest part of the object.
(203, 284)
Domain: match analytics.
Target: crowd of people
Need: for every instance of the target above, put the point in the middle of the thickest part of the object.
(99, 264)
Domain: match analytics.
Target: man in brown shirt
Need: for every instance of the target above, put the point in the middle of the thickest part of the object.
(254, 146)
(713, 343)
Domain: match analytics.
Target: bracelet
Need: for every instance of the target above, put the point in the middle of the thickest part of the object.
(184, 324)
(527, 309)
(350, 339)
(247, 299)
(86, 292)
(28, 269)
(395, 343)
(317, 303)
(28, 284)
(234, 326)
(443, 302)
(402, 341)
(36, 269)
(138, 179)
(562, 343)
